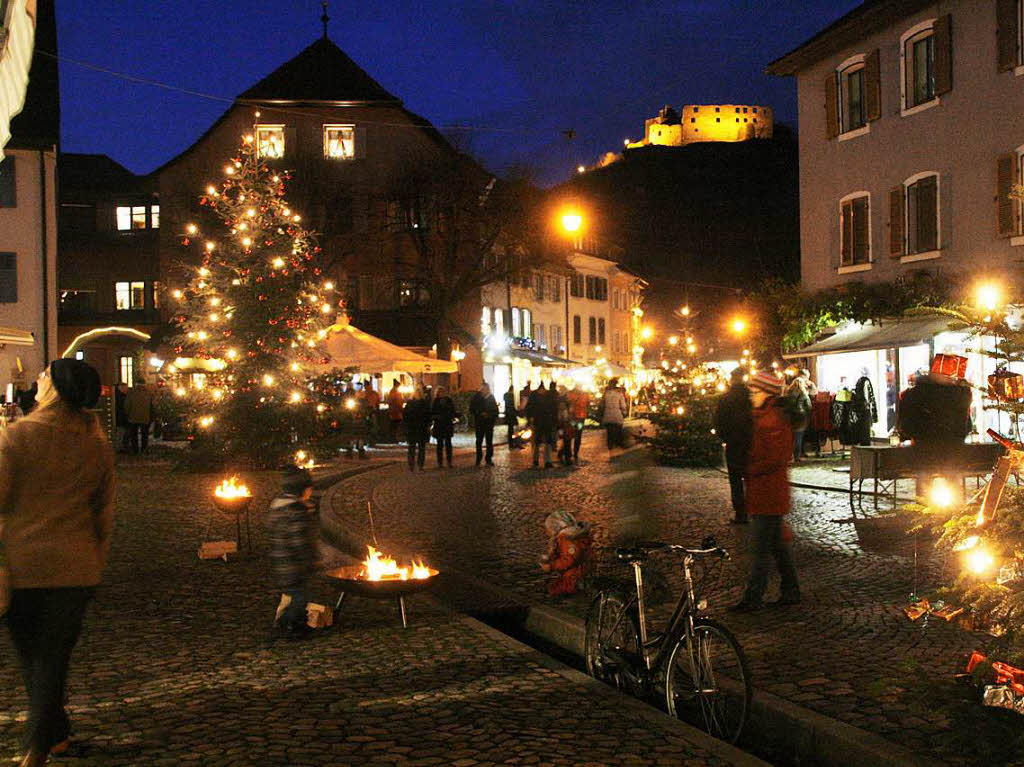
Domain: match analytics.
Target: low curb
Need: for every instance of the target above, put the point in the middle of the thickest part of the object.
(776, 725)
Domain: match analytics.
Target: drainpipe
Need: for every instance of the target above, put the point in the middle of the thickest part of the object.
(46, 256)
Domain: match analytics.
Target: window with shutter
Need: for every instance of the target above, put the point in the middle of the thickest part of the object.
(1008, 45)
(8, 186)
(577, 329)
(1007, 209)
(8, 278)
(922, 215)
(855, 230)
(872, 87)
(926, 63)
(600, 331)
(896, 214)
(831, 106)
(592, 334)
(943, 54)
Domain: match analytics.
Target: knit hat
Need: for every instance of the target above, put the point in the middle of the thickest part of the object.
(76, 381)
(765, 382)
(557, 521)
(295, 480)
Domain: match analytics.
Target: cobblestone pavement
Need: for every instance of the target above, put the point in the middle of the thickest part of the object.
(846, 652)
(178, 665)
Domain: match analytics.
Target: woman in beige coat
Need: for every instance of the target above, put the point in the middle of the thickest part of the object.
(56, 511)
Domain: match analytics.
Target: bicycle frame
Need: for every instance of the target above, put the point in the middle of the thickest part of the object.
(681, 620)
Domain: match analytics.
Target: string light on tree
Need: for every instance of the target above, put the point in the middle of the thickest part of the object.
(239, 321)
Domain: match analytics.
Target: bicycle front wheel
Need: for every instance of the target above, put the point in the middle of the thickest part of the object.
(611, 639)
(708, 683)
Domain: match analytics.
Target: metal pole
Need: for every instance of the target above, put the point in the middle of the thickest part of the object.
(401, 607)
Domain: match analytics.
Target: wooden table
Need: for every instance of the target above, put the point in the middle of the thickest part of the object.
(886, 464)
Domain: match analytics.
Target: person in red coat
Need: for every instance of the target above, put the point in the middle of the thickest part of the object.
(767, 494)
(568, 552)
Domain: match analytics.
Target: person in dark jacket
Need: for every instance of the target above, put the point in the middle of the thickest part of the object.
(416, 416)
(511, 417)
(767, 493)
(443, 415)
(865, 407)
(484, 409)
(734, 426)
(935, 412)
(293, 552)
(542, 411)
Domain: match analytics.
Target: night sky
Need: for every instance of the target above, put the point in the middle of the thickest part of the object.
(518, 71)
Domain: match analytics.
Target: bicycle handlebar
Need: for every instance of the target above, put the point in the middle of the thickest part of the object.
(641, 550)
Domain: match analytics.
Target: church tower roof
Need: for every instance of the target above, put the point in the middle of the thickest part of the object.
(321, 73)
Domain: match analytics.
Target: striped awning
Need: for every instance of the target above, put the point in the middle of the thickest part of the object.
(15, 60)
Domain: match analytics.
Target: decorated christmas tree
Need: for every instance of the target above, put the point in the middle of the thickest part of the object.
(252, 319)
(984, 536)
(682, 408)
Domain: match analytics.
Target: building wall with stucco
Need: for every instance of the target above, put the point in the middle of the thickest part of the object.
(28, 230)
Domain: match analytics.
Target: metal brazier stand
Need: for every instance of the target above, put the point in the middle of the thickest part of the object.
(351, 579)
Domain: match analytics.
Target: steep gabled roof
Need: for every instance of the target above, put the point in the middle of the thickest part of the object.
(866, 19)
(322, 72)
(99, 173)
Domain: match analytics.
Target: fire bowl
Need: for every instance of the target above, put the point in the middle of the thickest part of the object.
(348, 580)
(232, 504)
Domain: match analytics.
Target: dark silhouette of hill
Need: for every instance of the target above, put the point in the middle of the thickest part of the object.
(723, 214)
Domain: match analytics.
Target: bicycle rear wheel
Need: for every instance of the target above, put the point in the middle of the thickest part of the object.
(611, 637)
(711, 686)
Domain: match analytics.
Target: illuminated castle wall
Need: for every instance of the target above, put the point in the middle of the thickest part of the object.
(706, 122)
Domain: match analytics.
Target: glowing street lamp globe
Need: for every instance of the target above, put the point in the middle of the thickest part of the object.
(572, 221)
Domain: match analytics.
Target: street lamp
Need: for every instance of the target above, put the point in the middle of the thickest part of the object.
(739, 325)
(647, 332)
(572, 221)
(988, 296)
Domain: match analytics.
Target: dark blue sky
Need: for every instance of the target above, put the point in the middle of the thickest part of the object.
(519, 70)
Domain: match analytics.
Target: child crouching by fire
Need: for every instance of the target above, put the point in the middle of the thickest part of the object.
(568, 552)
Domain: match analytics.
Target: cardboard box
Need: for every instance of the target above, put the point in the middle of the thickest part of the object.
(319, 616)
(217, 549)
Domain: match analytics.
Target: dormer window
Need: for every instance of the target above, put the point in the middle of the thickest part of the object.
(339, 142)
(270, 141)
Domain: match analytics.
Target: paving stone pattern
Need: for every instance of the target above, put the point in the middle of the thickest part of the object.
(846, 652)
(178, 666)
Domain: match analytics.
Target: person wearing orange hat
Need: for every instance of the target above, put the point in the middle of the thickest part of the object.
(767, 494)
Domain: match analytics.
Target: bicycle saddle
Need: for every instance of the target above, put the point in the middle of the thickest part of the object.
(638, 552)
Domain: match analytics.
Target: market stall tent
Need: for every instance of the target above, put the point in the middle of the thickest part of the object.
(347, 346)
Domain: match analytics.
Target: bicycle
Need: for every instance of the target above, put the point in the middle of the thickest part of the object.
(696, 661)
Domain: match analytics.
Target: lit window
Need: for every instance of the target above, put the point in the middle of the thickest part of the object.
(138, 217)
(516, 323)
(485, 319)
(129, 295)
(527, 319)
(126, 370)
(499, 320)
(855, 230)
(919, 68)
(339, 142)
(124, 218)
(79, 355)
(270, 141)
(154, 216)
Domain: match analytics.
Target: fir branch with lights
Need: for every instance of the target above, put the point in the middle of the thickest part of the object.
(251, 321)
(682, 409)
